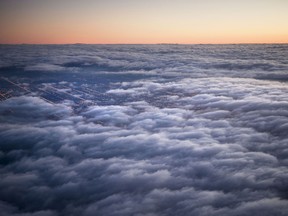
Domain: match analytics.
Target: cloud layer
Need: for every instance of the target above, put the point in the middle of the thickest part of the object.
(258, 61)
(159, 146)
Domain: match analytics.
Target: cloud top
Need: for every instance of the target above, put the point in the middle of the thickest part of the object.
(145, 145)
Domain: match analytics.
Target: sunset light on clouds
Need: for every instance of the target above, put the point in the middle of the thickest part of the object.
(149, 21)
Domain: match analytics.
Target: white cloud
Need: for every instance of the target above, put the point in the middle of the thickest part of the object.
(44, 67)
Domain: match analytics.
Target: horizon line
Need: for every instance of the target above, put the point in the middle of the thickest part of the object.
(79, 43)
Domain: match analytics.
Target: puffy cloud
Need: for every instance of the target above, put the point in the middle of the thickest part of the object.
(146, 145)
(44, 67)
(30, 109)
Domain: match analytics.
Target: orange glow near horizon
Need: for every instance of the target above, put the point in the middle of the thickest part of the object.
(143, 22)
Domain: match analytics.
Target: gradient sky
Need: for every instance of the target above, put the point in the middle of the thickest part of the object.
(147, 21)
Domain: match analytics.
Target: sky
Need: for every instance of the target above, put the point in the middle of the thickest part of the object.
(145, 22)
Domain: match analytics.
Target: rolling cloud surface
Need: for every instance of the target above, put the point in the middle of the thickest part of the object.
(157, 130)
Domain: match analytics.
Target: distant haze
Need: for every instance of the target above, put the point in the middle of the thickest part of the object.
(149, 21)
